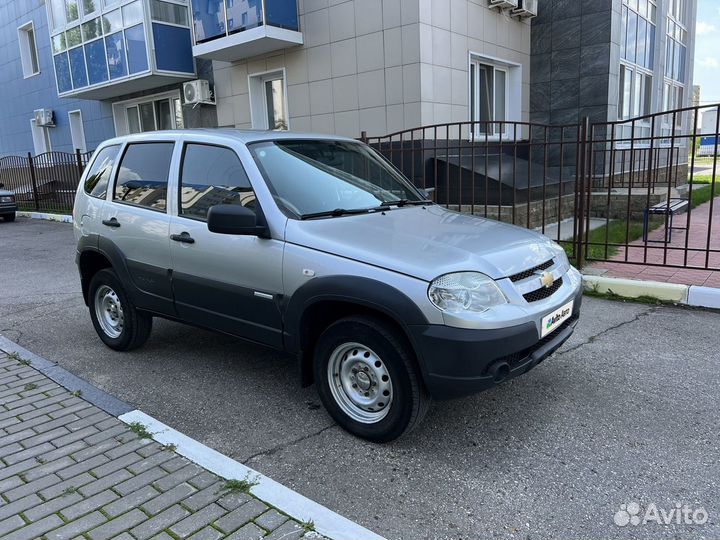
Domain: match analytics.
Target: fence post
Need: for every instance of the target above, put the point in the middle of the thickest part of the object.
(582, 186)
(363, 136)
(34, 182)
(78, 155)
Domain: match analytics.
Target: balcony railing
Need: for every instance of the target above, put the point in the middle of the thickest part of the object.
(234, 29)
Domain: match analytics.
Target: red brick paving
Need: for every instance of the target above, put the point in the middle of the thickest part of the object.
(696, 259)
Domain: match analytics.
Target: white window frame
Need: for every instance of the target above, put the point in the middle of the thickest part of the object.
(513, 97)
(27, 51)
(635, 73)
(77, 130)
(41, 138)
(120, 110)
(258, 98)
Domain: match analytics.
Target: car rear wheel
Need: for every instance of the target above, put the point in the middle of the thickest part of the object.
(367, 379)
(116, 320)
(9, 217)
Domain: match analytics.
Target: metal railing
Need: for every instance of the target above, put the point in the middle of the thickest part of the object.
(606, 191)
(46, 182)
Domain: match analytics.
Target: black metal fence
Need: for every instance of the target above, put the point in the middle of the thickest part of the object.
(627, 191)
(46, 182)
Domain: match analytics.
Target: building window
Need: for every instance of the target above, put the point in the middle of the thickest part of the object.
(151, 113)
(77, 130)
(28, 50)
(635, 92)
(268, 101)
(495, 89)
(41, 138)
(638, 28)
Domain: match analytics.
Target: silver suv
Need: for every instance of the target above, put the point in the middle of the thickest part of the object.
(317, 246)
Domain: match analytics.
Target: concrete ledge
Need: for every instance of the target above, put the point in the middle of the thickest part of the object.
(629, 288)
(62, 218)
(708, 297)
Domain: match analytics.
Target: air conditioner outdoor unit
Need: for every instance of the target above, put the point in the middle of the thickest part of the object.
(526, 9)
(197, 91)
(504, 4)
(44, 118)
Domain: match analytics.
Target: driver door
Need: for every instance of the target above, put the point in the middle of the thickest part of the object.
(231, 283)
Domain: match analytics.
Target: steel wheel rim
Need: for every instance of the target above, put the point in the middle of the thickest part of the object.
(109, 311)
(360, 383)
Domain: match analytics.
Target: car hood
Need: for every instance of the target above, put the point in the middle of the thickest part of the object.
(5, 193)
(426, 242)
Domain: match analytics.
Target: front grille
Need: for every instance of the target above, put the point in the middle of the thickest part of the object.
(531, 272)
(545, 292)
(521, 357)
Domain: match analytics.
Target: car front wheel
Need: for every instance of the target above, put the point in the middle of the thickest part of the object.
(116, 320)
(367, 379)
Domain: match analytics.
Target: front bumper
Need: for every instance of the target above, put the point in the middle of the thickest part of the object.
(458, 362)
(8, 208)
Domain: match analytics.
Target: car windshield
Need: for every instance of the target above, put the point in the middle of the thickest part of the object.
(313, 178)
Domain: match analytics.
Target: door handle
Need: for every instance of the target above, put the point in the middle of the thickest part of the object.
(112, 222)
(185, 238)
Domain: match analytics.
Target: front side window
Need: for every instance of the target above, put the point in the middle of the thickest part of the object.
(143, 176)
(96, 182)
(312, 176)
(212, 175)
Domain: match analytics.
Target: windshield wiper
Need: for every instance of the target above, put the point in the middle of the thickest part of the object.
(402, 202)
(344, 212)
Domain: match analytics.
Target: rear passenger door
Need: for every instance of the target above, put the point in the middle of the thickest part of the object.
(225, 282)
(136, 223)
(96, 187)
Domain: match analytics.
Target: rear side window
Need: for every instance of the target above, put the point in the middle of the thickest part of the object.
(96, 182)
(143, 176)
(212, 175)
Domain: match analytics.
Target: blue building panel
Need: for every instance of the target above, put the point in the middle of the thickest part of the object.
(173, 48)
(137, 49)
(77, 67)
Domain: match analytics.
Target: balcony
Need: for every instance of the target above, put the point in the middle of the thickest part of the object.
(104, 49)
(230, 30)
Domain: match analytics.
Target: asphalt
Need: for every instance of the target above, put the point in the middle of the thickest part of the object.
(626, 411)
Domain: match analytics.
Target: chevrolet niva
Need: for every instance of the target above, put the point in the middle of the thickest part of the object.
(317, 246)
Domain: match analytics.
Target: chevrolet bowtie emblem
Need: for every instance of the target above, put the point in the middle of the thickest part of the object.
(547, 279)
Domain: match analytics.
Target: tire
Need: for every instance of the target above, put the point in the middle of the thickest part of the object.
(9, 217)
(367, 405)
(115, 318)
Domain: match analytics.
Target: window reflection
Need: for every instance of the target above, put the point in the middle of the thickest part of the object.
(143, 176)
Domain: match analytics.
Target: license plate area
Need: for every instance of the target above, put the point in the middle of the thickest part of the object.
(553, 321)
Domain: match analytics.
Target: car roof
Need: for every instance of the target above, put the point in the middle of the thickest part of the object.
(244, 136)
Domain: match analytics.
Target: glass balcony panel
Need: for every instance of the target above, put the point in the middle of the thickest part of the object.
(173, 48)
(168, 12)
(71, 10)
(282, 13)
(96, 62)
(132, 14)
(243, 14)
(62, 72)
(91, 29)
(115, 51)
(112, 22)
(57, 12)
(136, 48)
(208, 19)
(73, 37)
(77, 67)
(90, 6)
(58, 43)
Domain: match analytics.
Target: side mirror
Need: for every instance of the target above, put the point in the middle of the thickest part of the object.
(235, 219)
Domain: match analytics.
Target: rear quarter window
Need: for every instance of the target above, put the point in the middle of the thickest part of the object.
(98, 177)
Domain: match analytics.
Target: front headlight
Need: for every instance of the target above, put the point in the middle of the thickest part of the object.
(465, 291)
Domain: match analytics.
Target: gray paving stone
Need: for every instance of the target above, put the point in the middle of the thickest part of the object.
(248, 532)
(31, 487)
(208, 533)
(117, 525)
(287, 531)
(91, 420)
(90, 504)
(197, 521)
(140, 480)
(77, 527)
(30, 452)
(179, 476)
(69, 484)
(9, 483)
(66, 450)
(105, 482)
(82, 467)
(90, 451)
(130, 501)
(125, 448)
(101, 435)
(39, 420)
(175, 464)
(10, 449)
(16, 507)
(203, 480)
(204, 497)
(232, 500)
(149, 449)
(10, 524)
(162, 536)
(18, 468)
(123, 536)
(35, 530)
(84, 433)
(240, 516)
(52, 435)
(160, 522)
(52, 506)
(167, 499)
(271, 519)
(149, 462)
(47, 468)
